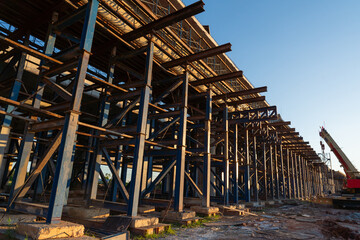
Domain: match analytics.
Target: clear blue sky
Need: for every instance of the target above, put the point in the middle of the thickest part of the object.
(308, 54)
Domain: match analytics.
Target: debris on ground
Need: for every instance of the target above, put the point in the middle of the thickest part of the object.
(296, 221)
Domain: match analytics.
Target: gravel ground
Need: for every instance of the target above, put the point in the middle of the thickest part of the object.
(302, 221)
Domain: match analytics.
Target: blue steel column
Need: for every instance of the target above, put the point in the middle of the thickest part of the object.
(288, 173)
(236, 165)
(181, 147)
(103, 119)
(300, 176)
(304, 177)
(297, 176)
(5, 128)
(265, 172)
(256, 186)
(141, 134)
(282, 171)
(226, 156)
(66, 150)
(293, 175)
(271, 172)
(276, 172)
(27, 142)
(207, 146)
(307, 179)
(247, 167)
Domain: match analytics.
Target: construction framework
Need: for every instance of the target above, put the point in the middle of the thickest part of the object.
(137, 89)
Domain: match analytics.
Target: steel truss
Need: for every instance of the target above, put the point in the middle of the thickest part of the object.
(135, 91)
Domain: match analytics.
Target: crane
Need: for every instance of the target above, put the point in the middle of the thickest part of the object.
(352, 174)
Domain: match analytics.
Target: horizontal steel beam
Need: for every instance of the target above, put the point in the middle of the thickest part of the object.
(278, 124)
(240, 93)
(245, 101)
(165, 21)
(198, 56)
(219, 78)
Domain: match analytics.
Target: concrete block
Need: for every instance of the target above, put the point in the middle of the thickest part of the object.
(204, 210)
(172, 215)
(86, 213)
(140, 221)
(240, 206)
(41, 230)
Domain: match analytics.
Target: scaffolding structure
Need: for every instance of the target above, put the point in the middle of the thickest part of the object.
(137, 90)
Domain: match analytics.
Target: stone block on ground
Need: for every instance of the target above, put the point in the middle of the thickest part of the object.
(173, 215)
(204, 210)
(140, 221)
(42, 230)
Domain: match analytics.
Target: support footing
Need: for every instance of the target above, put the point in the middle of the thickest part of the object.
(42, 230)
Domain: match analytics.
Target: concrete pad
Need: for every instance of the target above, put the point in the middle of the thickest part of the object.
(270, 203)
(86, 213)
(140, 221)
(41, 230)
(172, 215)
(222, 207)
(255, 204)
(146, 209)
(16, 218)
(204, 210)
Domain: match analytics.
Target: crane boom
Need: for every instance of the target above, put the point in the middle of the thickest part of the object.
(350, 170)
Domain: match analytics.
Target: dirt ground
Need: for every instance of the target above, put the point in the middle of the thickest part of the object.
(297, 221)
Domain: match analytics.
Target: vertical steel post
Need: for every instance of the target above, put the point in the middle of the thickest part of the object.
(103, 119)
(265, 172)
(303, 177)
(301, 187)
(207, 148)
(297, 176)
(256, 179)
(181, 147)
(272, 190)
(283, 187)
(6, 124)
(293, 175)
(134, 192)
(27, 142)
(320, 182)
(226, 156)
(236, 165)
(67, 146)
(276, 172)
(288, 173)
(247, 167)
